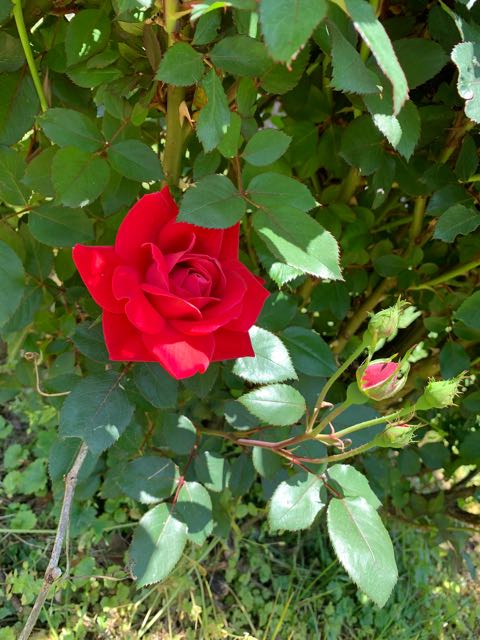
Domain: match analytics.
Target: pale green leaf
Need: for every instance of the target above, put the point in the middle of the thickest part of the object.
(271, 362)
(66, 127)
(148, 479)
(276, 404)
(295, 503)
(353, 483)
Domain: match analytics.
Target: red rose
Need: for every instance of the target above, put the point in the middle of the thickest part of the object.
(171, 292)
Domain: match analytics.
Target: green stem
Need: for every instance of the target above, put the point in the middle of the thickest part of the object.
(329, 417)
(22, 32)
(417, 223)
(460, 270)
(330, 382)
(173, 151)
(370, 423)
(349, 185)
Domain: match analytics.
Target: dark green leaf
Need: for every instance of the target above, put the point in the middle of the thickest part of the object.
(78, 176)
(467, 160)
(240, 56)
(67, 127)
(212, 470)
(457, 220)
(12, 168)
(350, 74)
(12, 277)
(87, 34)
(213, 203)
(59, 227)
(273, 190)
(88, 339)
(228, 145)
(363, 546)
(287, 25)
(215, 116)
(157, 545)
(181, 65)
(276, 404)
(156, 385)
(453, 360)
(469, 311)
(309, 351)
(361, 145)
(271, 362)
(148, 479)
(38, 174)
(177, 433)
(242, 475)
(11, 53)
(295, 503)
(18, 107)
(421, 59)
(135, 160)
(376, 38)
(97, 410)
(265, 147)
(194, 508)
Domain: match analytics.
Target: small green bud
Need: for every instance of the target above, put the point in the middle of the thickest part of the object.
(385, 323)
(395, 435)
(439, 394)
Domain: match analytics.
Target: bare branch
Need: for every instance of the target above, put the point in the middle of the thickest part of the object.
(53, 571)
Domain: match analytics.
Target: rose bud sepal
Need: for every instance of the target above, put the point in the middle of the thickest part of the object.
(439, 394)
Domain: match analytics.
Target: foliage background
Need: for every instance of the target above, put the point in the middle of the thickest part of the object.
(397, 184)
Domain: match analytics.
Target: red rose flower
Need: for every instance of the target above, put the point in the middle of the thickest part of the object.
(171, 292)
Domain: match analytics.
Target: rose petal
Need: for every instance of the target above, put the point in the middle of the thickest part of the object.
(140, 312)
(232, 344)
(378, 373)
(216, 315)
(142, 224)
(208, 241)
(171, 306)
(175, 239)
(182, 356)
(124, 342)
(157, 272)
(96, 266)
(253, 300)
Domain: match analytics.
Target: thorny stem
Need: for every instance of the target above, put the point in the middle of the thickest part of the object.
(53, 572)
(460, 270)
(22, 32)
(370, 423)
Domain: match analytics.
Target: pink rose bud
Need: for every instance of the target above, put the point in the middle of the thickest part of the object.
(440, 393)
(381, 379)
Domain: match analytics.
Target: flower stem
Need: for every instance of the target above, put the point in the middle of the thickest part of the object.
(22, 32)
(370, 423)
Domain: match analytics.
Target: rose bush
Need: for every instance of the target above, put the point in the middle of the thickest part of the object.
(172, 292)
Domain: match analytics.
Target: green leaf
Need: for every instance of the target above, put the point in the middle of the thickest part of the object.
(240, 56)
(84, 76)
(361, 145)
(242, 475)
(265, 147)
(207, 28)
(177, 433)
(299, 240)
(11, 53)
(281, 79)
(228, 145)
(181, 65)
(156, 385)
(135, 160)
(87, 34)
(212, 470)
(18, 107)
(201, 383)
(97, 410)
(38, 174)
(12, 168)
(363, 546)
(66, 127)
(420, 59)
(309, 351)
(287, 25)
(271, 362)
(295, 503)
(78, 177)
(276, 404)
(469, 311)
(275, 190)
(402, 131)
(59, 227)
(376, 38)
(467, 160)
(88, 339)
(457, 220)
(215, 116)
(148, 479)
(353, 483)
(350, 74)
(12, 277)
(213, 203)
(453, 360)
(157, 545)
(194, 509)
(466, 56)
